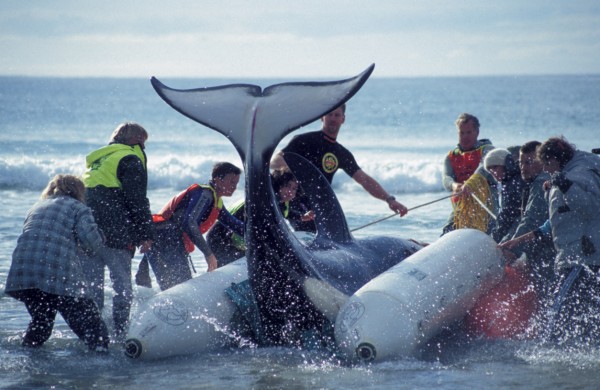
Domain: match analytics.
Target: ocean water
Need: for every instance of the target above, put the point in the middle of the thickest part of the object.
(398, 129)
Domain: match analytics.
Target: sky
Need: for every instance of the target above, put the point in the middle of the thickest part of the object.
(301, 39)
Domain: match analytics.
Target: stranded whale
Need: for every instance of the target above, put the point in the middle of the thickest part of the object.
(296, 287)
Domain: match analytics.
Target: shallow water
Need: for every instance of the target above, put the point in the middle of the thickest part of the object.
(448, 362)
(399, 130)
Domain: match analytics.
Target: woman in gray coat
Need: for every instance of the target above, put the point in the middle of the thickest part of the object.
(574, 201)
(46, 273)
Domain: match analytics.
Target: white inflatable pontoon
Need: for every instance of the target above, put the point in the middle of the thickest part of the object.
(192, 317)
(393, 314)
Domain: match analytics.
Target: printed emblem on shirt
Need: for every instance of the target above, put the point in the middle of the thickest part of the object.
(330, 162)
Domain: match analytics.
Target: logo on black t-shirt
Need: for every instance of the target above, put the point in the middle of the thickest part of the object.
(330, 162)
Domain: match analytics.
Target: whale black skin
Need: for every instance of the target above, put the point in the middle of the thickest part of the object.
(255, 121)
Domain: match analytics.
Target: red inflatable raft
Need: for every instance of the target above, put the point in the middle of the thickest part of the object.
(505, 312)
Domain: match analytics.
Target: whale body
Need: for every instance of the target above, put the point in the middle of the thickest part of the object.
(296, 286)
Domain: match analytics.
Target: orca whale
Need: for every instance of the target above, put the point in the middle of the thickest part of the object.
(296, 286)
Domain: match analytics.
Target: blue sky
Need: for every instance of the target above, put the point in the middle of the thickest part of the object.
(277, 38)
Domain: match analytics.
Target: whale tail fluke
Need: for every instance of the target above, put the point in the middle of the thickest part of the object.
(252, 117)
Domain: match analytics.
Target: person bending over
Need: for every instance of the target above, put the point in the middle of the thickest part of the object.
(184, 219)
(46, 272)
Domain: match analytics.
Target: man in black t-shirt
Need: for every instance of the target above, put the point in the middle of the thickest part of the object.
(322, 149)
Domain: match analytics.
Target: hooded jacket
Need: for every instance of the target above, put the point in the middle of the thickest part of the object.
(116, 180)
(574, 206)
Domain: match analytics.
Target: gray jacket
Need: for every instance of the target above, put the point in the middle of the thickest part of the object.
(48, 252)
(535, 212)
(575, 212)
(540, 253)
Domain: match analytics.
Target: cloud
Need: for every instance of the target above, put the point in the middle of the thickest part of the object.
(237, 38)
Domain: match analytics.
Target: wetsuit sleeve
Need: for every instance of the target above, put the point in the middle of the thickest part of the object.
(198, 209)
(231, 222)
(134, 180)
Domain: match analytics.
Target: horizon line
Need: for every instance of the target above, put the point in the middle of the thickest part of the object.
(300, 78)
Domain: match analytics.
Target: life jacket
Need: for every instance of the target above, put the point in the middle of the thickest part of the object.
(464, 164)
(102, 164)
(169, 209)
(236, 239)
(286, 209)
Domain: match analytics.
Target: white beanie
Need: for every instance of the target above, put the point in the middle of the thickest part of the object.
(495, 157)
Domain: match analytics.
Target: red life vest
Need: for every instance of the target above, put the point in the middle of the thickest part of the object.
(169, 209)
(464, 164)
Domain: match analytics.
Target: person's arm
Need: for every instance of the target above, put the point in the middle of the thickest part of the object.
(580, 194)
(536, 210)
(201, 202)
(377, 191)
(448, 177)
(231, 222)
(545, 230)
(296, 145)
(510, 244)
(87, 232)
(134, 181)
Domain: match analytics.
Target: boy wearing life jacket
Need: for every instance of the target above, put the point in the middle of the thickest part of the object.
(184, 219)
